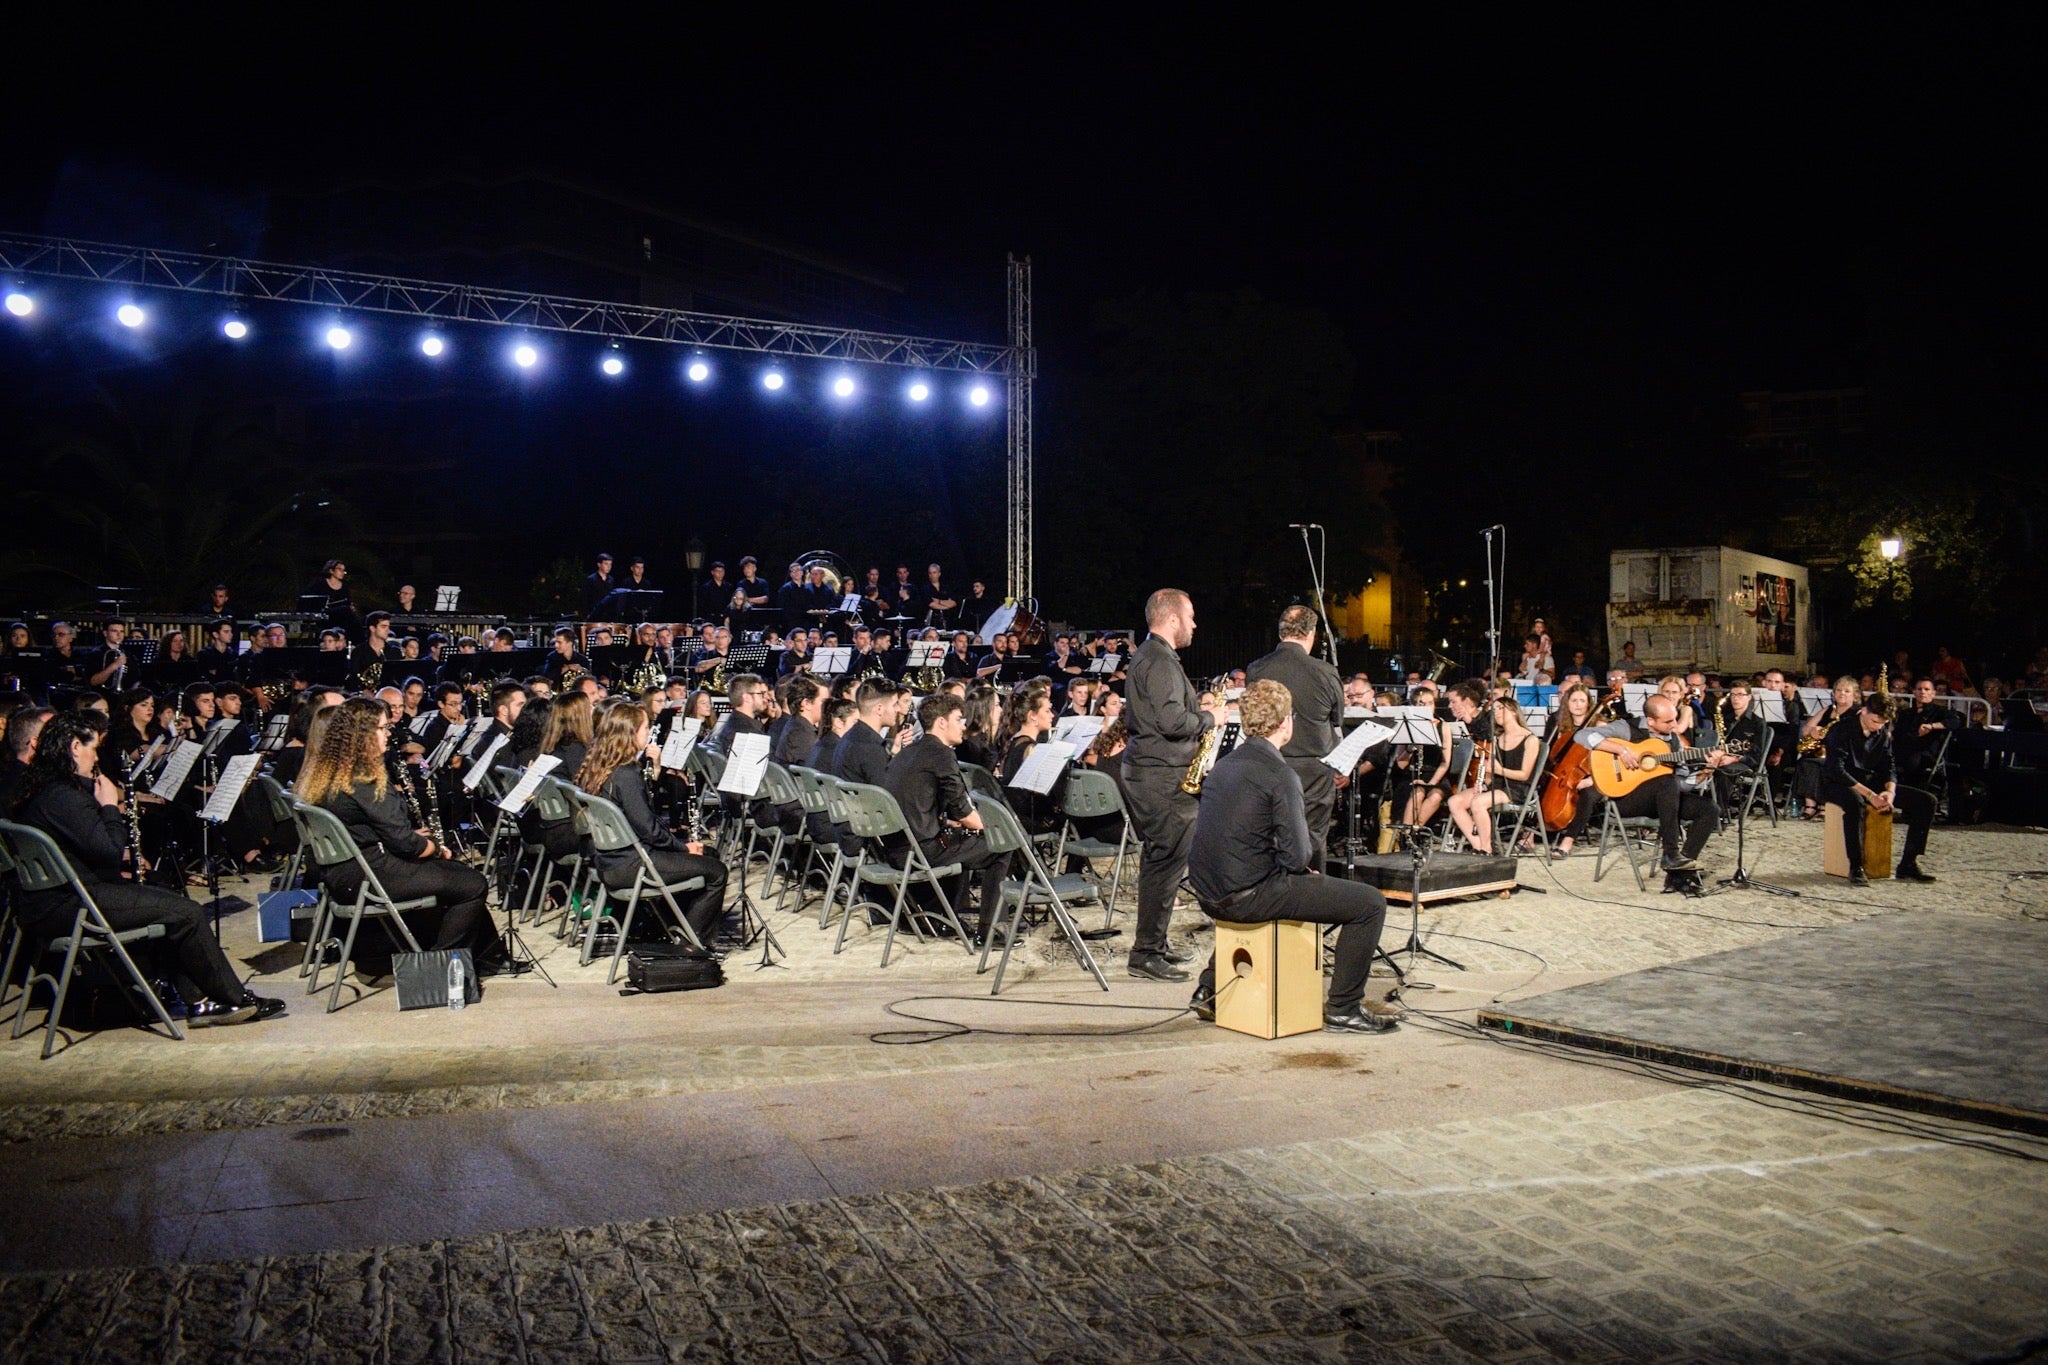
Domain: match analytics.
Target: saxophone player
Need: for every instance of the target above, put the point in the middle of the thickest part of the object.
(1166, 721)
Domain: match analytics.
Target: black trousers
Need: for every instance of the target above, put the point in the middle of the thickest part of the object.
(703, 908)
(186, 949)
(1360, 909)
(1674, 803)
(1319, 799)
(1913, 804)
(974, 856)
(464, 920)
(1164, 816)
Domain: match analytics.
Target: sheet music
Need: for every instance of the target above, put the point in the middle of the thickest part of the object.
(157, 748)
(419, 723)
(523, 790)
(851, 606)
(1816, 698)
(177, 769)
(477, 727)
(675, 750)
(1773, 706)
(1042, 766)
(927, 653)
(218, 732)
(832, 661)
(442, 752)
(276, 731)
(746, 763)
(227, 788)
(1107, 664)
(1412, 724)
(1352, 747)
(1080, 731)
(1357, 713)
(475, 775)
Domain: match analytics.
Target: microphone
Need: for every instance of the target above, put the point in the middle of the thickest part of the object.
(1304, 526)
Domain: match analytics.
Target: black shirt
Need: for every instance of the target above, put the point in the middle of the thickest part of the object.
(862, 756)
(218, 665)
(734, 724)
(1318, 698)
(822, 753)
(91, 836)
(597, 587)
(793, 600)
(925, 780)
(1162, 710)
(626, 788)
(1854, 757)
(795, 743)
(1251, 825)
(377, 823)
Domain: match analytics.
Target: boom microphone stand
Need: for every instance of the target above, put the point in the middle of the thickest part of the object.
(1318, 562)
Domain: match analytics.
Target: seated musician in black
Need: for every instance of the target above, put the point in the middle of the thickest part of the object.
(66, 797)
(1858, 774)
(793, 601)
(926, 782)
(563, 656)
(1741, 732)
(836, 716)
(803, 707)
(749, 697)
(329, 594)
(347, 777)
(862, 754)
(1918, 732)
(1027, 719)
(220, 660)
(599, 583)
(1251, 861)
(1683, 801)
(611, 769)
(960, 661)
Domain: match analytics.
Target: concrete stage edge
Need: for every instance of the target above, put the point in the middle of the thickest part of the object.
(1927, 1011)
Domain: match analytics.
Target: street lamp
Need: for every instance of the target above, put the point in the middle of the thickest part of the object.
(693, 556)
(1891, 547)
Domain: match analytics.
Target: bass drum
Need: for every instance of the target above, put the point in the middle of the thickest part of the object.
(1027, 627)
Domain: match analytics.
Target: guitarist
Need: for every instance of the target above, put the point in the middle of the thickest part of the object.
(1683, 804)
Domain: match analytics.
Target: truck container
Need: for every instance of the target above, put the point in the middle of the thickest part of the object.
(1718, 609)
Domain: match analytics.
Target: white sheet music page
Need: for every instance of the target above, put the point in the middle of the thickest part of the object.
(177, 768)
(1353, 746)
(1079, 731)
(477, 727)
(521, 793)
(832, 661)
(746, 763)
(475, 775)
(1043, 766)
(675, 750)
(227, 789)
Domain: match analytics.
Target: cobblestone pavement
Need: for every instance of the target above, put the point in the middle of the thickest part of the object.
(1692, 1225)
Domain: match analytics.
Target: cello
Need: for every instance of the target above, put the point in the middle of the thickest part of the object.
(1568, 765)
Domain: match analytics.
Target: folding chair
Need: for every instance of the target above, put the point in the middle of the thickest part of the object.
(981, 782)
(1614, 826)
(1089, 794)
(1755, 789)
(839, 812)
(778, 789)
(333, 847)
(281, 813)
(610, 833)
(874, 815)
(1036, 888)
(706, 768)
(553, 803)
(1526, 814)
(39, 865)
(810, 794)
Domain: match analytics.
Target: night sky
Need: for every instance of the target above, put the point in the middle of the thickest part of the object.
(1630, 217)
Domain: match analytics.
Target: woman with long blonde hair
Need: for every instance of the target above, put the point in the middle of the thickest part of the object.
(611, 770)
(346, 776)
(1515, 752)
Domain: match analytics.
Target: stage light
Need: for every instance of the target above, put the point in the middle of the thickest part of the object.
(772, 380)
(525, 357)
(431, 345)
(339, 338)
(843, 386)
(20, 304)
(978, 395)
(920, 391)
(234, 329)
(698, 372)
(613, 366)
(130, 315)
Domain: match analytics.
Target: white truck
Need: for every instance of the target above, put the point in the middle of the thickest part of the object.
(1711, 607)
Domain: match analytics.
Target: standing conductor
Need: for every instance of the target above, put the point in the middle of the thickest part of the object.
(1318, 717)
(1166, 722)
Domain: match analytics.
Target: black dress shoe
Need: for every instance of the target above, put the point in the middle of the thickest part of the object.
(209, 1013)
(1910, 872)
(265, 1006)
(1356, 1020)
(1857, 878)
(1154, 967)
(1678, 863)
(1203, 1006)
(1177, 956)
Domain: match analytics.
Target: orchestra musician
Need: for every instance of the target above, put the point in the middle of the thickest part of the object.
(904, 598)
(1468, 707)
(926, 781)
(939, 602)
(751, 594)
(1740, 732)
(1166, 722)
(1318, 696)
(329, 595)
(1812, 757)
(1917, 733)
(611, 769)
(1859, 773)
(793, 601)
(1251, 861)
(598, 584)
(1510, 765)
(1575, 711)
(1683, 801)
(108, 668)
(715, 597)
(960, 661)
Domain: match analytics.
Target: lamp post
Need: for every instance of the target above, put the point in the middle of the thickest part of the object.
(693, 556)
(1891, 547)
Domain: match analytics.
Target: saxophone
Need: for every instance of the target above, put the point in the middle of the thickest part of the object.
(1205, 748)
(717, 684)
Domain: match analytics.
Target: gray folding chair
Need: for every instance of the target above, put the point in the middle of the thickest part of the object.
(333, 847)
(39, 865)
(1089, 794)
(1036, 888)
(280, 803)
(874, 815)
(822, 856)
(981, 782)
(778, 789)
(1527, 814)
(839, 812)
(553, 804)
(1755, 790)
(706, 768)
(1627, 831)
(610, 833)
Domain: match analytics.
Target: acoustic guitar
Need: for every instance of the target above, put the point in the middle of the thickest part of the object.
(1612, 780)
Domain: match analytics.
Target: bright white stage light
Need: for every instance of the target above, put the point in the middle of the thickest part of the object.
(698, 372)
(843, 386)
(20, 304)
(978, 395)
(525, 357)
(130, 315)
(339, 338)
(234, 329)
(919, 392)
(772, 380)
(613, 366)
(432, 345)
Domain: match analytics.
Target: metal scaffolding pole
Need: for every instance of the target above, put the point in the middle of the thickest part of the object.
(1023, 369)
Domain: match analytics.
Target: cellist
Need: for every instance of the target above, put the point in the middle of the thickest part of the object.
(1568, 795)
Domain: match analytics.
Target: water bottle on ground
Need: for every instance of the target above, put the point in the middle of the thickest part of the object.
(458, 982)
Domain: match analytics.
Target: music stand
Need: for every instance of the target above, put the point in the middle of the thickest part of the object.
(1414, 726)
(445, 598)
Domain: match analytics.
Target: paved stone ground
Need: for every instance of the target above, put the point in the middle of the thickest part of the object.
(1690, 1226)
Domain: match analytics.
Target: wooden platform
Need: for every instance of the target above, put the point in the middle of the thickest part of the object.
(1446, 876)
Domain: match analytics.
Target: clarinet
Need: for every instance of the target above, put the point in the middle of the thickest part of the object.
(433, 812)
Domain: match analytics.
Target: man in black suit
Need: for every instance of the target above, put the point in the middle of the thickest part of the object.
(1251, 862)
(1318, 715)
(599, 584)
(926, 782)
(862, 755)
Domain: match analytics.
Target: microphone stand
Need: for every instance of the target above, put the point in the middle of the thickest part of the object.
(1492, 600)
(1316, 572)
(1741, 879)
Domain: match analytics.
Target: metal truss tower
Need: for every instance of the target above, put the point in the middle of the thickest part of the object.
(1023, 369)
